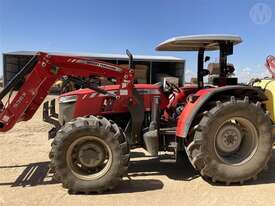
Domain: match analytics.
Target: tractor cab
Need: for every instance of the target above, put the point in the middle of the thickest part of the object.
(219, 74)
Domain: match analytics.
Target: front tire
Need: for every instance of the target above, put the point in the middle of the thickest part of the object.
(232, 142)
(90, 155)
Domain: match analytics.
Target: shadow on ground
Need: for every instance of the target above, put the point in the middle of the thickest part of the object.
(34, 174)
(181, 170)
(37, 174)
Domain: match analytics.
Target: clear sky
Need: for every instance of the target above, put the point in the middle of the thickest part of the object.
(102, 26)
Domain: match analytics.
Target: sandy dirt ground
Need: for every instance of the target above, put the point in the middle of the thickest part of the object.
(24, 179)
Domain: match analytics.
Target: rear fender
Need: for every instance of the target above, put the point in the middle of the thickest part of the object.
(213, 94)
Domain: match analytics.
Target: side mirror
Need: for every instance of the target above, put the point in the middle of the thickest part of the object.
(207, 58)
(130, 56)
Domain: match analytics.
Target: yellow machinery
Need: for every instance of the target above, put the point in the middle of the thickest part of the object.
(268, 85)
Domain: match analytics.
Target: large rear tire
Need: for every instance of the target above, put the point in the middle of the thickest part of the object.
(90, 155)
(232, 142)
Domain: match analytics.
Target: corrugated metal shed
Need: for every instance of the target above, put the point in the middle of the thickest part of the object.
(105, 56)
(14, 61)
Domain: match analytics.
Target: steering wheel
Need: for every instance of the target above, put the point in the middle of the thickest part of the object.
(172, 87)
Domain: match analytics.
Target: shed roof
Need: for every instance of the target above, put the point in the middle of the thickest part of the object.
(106, 56)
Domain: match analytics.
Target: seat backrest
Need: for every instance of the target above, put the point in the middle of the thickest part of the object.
(214, 69)
(194, 80)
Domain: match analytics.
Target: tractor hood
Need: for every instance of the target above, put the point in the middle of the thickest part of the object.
(142, 88)
(85, 102)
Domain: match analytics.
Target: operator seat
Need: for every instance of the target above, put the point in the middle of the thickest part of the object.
(215, 72)
(214, 69)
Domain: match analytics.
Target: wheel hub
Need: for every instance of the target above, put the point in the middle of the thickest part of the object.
(91, 155)
(229, 138)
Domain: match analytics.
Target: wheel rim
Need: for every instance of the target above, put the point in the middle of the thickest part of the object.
(236, 141)
(89, 158)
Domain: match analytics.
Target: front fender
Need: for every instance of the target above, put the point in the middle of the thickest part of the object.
(205, 95)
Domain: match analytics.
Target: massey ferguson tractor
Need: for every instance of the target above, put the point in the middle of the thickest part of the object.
(224, 127)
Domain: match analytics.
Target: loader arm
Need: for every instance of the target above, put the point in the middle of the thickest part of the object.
(40, 73)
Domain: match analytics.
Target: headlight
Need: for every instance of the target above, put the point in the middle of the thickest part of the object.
(68, 99)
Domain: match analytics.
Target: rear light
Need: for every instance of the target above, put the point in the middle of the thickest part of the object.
(68, 99)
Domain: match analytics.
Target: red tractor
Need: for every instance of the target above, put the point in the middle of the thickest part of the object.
(222, 125)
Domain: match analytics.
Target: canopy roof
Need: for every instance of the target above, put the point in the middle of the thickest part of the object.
(209, 42)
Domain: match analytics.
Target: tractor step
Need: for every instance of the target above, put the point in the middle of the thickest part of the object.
(168, 131)
(173, 145)
(170, 154)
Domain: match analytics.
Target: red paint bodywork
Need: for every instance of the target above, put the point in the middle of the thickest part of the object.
(46, 71)
(91, 103)
(49, 68)
(189, 107)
